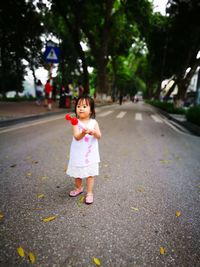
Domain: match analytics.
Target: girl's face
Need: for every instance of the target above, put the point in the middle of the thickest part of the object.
(83, 109)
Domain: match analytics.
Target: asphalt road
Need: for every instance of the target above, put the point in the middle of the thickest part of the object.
(147, 195)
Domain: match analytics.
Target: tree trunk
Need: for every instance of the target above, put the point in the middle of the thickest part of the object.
(184, 82)
(171, 89)
(74, 30)
(102, 80)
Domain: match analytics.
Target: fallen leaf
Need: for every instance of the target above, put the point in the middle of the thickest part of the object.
(164, 161)
(44, 177)
(40, 196)
(29, 173)
(178, 213)
(20, 251)
(49, 219)
(81, 199)
(141, 189)
(97, 261)
(133, 208)
(38, 208)
(1, 216)
(162, 251)
(31, 257)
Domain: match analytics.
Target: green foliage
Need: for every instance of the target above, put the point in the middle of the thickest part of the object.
(193, 115)
(166, 106)
(19, 39)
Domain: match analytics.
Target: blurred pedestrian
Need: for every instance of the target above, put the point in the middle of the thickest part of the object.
(80, 90)
(84, 153)
(68, 94)
(39, 92)
(48, 94)
(120, 98)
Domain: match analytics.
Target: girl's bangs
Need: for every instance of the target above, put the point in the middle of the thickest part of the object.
(87, 102)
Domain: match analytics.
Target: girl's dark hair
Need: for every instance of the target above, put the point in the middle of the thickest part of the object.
(89, 101)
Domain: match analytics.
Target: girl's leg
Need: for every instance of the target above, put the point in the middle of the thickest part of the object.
(78, 188)
(90, 184)
(78, 182)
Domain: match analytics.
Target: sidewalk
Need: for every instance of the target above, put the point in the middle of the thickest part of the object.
(13, 110)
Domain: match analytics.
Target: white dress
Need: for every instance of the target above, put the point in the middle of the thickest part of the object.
(84, 155)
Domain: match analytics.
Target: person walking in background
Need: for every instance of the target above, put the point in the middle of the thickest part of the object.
(48, 94)
(39, 92)
(84, 152)
(80, 90)
(120, 98)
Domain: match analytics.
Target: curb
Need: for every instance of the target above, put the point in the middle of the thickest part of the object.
(12, 121)
(193, 128)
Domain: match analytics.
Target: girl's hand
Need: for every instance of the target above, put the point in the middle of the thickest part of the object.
(91, 132)
(85, 131)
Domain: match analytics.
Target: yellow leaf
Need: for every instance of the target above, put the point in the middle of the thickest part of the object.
(164, 161)
(141, 189)
(20, 251)
(49, 219)
(44, 177)
(37, 208)
(31, 257)
(81, 199)
(1, 216)
(40, 195)
(97, 261)
(162, 251)
(178, 213)
(29, 173)
(133, 208)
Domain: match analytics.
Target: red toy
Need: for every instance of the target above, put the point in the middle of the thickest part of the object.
(73, 120)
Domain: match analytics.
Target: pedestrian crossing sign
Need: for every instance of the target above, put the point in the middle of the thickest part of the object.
(52, 54)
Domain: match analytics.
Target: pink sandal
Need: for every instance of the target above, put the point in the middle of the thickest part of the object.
(76, 192)
(89, 198)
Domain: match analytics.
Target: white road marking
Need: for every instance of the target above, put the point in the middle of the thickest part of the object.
(121, 114)
(138, 117)
(182, 131)
(105, 113)
(156, 119)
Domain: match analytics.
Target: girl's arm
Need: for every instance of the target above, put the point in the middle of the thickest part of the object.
(96, 131)
(77, 134)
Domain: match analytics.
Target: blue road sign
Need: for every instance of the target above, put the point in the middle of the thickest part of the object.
(52, 54)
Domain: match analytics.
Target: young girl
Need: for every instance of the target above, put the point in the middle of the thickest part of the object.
(84, 153)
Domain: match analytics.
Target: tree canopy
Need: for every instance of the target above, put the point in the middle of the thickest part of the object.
(19, 39)
(127, 45)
